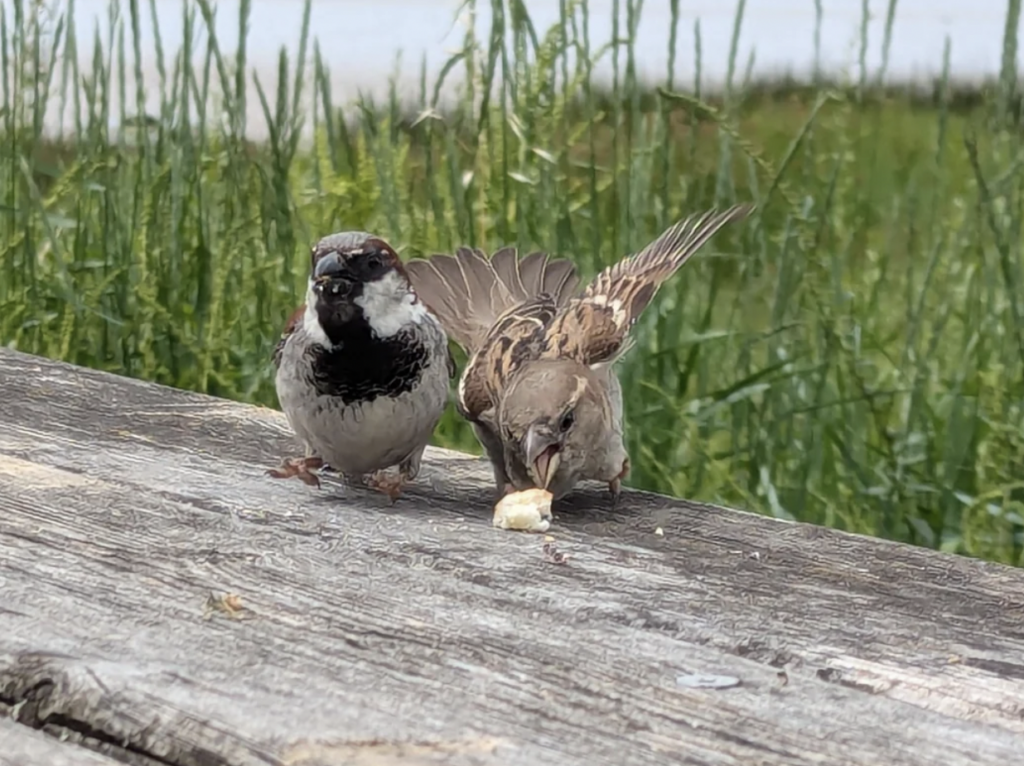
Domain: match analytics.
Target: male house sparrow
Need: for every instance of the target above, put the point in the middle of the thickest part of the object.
(539, 389)
(363, 368)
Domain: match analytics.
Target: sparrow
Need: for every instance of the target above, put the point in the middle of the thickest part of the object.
(539, 388)
(363, 368)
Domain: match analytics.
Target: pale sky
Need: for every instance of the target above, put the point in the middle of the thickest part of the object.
(360, 38)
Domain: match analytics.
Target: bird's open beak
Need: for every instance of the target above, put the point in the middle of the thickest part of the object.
(543, 453)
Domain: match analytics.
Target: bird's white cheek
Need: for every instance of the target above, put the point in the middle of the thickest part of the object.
(389, 305)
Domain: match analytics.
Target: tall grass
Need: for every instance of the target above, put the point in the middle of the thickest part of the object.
(851, 356)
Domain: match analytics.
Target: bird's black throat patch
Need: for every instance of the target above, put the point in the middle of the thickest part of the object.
(335, 314)
(360, 366)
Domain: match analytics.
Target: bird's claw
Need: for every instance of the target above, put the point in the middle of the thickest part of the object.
(615, 485)
(300, 468)
(390, 484)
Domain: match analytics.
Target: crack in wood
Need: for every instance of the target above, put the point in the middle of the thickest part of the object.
(25, 712)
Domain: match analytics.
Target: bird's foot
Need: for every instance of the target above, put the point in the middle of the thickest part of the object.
(388, 483)
(615, 485)
(300, 468)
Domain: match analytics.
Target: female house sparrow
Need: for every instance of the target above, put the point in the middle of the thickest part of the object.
(363, 367)
(540, 390)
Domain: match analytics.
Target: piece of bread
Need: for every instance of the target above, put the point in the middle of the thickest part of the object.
(528, 510)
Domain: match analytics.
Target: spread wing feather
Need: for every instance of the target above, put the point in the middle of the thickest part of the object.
(594, 328)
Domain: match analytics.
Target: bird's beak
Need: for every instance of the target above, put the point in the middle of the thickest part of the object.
(543, 453)
(333, 285)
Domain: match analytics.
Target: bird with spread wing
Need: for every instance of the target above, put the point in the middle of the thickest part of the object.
(540, 389)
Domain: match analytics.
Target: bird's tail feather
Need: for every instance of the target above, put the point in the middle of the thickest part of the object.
(467, 291)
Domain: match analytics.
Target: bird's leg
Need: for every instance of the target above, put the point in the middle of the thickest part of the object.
(392, 483)
(300, 467)
(502, 483)
(410, 467)
(615, 485)
(495, 450)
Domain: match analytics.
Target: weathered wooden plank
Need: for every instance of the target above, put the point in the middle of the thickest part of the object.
(419, 634)
(22, 746)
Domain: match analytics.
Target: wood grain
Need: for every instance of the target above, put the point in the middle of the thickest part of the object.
(22, 746)
(418, 634)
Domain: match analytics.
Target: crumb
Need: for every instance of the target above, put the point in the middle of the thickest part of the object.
(552, 554)
(659, 532)
(228, 603)
(529, 510)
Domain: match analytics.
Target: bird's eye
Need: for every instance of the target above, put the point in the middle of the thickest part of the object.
(568, 419)
(373, 262)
